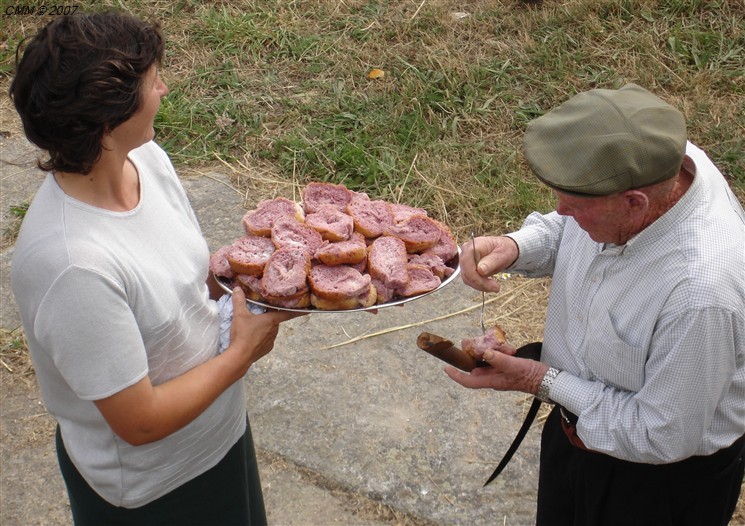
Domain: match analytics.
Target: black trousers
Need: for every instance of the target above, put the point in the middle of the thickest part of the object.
(584, 488)
(229, 494)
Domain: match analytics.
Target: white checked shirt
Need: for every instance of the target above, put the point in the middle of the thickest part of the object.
(650, 335)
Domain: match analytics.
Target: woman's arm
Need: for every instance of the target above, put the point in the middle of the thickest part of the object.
(144, 413)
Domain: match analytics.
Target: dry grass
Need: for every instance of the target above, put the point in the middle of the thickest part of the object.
(14, 357)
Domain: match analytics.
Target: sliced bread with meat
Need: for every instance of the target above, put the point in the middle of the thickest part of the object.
(316, 195)
(332, 223)
(260, 220)
(387, 260)
(250, 254)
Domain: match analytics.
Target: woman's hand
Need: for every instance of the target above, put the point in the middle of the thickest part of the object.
(252, 335)
(494, 254)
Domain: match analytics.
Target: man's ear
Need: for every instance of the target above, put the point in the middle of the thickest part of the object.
(636, 201)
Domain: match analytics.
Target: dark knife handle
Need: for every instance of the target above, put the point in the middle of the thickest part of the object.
(447, 352)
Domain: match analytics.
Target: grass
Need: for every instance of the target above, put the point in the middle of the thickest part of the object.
(285, 85)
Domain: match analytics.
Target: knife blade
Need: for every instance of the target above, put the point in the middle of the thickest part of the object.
(483, 294)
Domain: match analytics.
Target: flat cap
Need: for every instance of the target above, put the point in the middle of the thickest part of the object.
(601, 142)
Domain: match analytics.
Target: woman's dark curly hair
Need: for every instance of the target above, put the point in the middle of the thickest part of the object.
(79, 78)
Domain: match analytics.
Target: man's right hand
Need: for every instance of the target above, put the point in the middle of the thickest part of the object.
(494, 254)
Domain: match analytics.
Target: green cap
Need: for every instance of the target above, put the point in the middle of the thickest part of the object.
(601, 142)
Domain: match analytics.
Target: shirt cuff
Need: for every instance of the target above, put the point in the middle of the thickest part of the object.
(573, 393)
(528, 243)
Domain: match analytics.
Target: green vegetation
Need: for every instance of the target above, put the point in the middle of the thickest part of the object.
(284, 86)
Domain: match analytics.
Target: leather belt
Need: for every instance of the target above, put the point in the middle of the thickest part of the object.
(569, 426)
(531, 351)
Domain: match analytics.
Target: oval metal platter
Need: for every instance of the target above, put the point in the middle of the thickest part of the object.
(453, 263)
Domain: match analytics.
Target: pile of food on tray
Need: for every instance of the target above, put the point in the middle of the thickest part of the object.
(338, 250)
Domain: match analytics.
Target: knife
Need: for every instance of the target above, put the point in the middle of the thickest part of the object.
(444, 349)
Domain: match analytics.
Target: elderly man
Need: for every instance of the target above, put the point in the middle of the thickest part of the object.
(644, 342)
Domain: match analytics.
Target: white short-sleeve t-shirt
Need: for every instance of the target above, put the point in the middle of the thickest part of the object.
(107, 298)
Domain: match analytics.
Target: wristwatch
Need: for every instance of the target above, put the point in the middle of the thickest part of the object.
(546, 382)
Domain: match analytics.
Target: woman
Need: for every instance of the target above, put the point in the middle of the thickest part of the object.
(110, 276)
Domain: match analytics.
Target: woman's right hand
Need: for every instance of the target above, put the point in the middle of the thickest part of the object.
(252, 335)
(494, 254)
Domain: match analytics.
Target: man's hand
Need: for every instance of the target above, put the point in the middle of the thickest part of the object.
(494, 254)
(505, 373)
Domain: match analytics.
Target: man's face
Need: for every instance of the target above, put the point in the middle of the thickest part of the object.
(604, 218)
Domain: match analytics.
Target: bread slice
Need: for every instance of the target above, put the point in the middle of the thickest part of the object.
(365, 300)
(250, 254)
(333, 224)
(317, 194)
(286, 275)
(371, 218)
(352, 251)
(492, 339)
(288, 233)
(387, 260)
(421, 280)
(259, 221)
(418, 233)
(338, 282)
(446, 247)
(219, 264)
